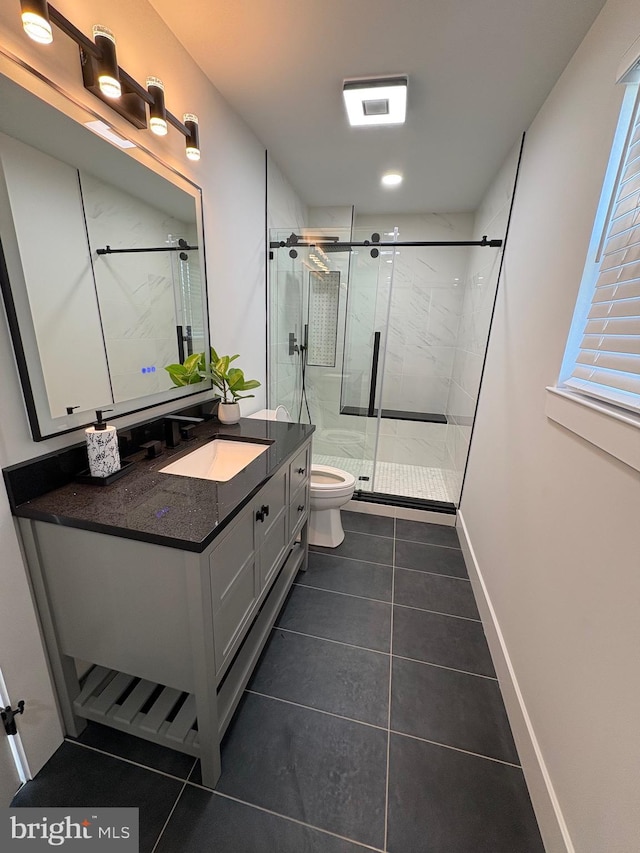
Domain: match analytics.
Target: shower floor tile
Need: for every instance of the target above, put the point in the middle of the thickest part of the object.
(413, 481)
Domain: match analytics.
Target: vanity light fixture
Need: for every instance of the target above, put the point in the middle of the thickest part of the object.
(157, 111)
(193, 139)
(108, 75)
(379, 100)
(105, 79)
(35, 20)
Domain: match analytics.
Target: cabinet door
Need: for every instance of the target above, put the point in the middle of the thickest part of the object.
(235, 587)
(271, 520)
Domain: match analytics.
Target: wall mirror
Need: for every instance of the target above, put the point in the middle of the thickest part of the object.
(101, 265)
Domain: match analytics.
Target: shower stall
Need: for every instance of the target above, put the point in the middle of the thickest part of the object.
(377, 335)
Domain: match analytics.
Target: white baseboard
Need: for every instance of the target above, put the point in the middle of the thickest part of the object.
(553, 828)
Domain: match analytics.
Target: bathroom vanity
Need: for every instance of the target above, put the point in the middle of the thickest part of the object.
(167, 585)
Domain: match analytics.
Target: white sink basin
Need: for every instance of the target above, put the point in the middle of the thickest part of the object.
(218, 460)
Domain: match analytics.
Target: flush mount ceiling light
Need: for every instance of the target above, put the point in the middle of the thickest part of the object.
(377, 101)
(391, 179)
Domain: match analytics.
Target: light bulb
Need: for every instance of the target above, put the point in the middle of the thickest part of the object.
(108, 78)
(157, 111)
(35, 21)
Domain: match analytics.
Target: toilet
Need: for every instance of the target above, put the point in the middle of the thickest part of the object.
(331, 489)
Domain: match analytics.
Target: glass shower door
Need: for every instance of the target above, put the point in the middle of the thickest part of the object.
(366, 330)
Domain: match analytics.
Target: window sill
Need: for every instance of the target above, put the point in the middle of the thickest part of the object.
(614, 431)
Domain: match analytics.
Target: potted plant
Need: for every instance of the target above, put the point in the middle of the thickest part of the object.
(231, 382)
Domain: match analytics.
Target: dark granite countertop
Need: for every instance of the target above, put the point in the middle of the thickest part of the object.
(176, 511)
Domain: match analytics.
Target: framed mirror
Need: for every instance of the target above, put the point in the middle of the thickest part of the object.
(101, 266)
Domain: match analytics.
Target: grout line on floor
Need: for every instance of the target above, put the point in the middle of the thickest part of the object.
(366, 532)
(431, 544)
(386, 793)
(457, 749)
(340, 592)
(451, 668)
(361, 844)
(173, 809)
(328, 640)
(325, 553)
(128, 760)
(435, 574)
(318, 710)
(436, 612)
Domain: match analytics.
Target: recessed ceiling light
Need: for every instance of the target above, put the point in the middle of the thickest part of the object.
(391, 179)
(377, 101)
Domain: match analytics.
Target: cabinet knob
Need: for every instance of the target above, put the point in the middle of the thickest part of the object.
(259, 515)
(301, 508)
(265, 509)
(300, 470)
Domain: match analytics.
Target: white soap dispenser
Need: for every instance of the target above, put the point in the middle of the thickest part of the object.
(102, 447)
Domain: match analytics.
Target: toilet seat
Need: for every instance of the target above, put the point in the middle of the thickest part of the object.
(324, 478)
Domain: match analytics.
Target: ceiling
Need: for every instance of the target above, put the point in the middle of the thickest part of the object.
(478, 72)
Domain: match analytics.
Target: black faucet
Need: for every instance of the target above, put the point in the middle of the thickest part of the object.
(174, 432)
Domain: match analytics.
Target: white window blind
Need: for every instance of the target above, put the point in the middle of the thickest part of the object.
(607, 361)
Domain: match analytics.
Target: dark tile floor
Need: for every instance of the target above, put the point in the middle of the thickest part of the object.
(373, 721)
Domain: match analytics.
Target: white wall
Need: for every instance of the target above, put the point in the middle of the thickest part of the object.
(232, 176)
(553, 521)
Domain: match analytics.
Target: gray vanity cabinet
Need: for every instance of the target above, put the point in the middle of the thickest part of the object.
(243, 562)
(173, 635)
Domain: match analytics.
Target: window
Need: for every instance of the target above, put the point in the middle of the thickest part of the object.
(602, 357)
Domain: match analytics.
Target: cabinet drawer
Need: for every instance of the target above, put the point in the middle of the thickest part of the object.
(299, 469)
(272, 549)
(298, 510)
(271, 500)
(227, 560)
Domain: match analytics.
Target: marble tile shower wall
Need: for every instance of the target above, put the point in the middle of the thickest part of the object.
(136, 292)
(477, 294)
(426, 306)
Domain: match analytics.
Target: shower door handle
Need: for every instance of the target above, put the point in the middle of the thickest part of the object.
(374, 375)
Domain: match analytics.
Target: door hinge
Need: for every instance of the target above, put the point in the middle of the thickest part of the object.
(9, 715)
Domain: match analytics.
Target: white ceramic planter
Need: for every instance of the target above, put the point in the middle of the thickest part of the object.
(229, 413)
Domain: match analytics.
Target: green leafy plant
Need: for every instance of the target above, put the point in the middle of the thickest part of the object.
(229, 380)
(190, 372)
